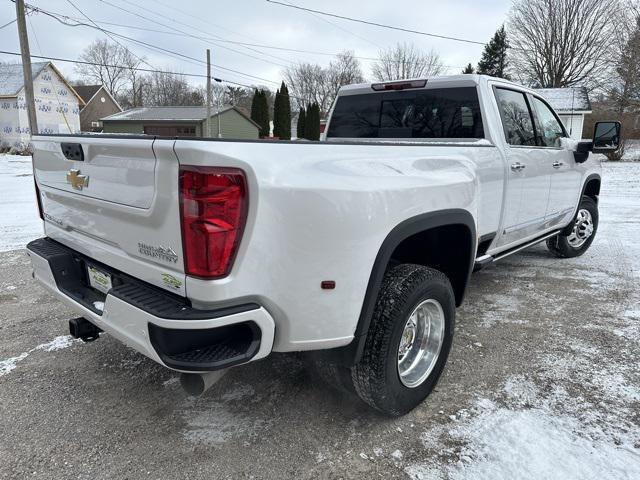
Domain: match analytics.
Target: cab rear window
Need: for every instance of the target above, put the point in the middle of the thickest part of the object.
(433, 113)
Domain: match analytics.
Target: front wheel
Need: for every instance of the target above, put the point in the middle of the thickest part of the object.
(578, 240)
(408, 341)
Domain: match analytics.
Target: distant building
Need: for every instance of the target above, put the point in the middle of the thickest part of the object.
(182, 122)
(571, 104)
(98, 103)
(57, 103)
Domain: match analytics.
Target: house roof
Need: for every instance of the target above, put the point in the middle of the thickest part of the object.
(570, 99)
(87, 92)
(12, 79)
(169, 114)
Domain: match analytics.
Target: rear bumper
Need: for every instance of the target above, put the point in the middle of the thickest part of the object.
(162, 326)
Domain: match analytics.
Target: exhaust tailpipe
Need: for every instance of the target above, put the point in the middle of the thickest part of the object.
(196, 384)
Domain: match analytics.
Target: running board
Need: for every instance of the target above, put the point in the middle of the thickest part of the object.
(485, 260)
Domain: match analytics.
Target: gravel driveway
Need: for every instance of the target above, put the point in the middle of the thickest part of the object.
(543, 382)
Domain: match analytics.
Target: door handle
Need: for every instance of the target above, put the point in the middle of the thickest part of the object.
(516, 167)
(557, 164)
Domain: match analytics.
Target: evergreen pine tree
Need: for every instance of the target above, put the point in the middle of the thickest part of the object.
(312, 123)
(277, 107)
(469, 69)
(285, 113)
(494, 58)
(300, 125)
(262, 114)
(254, 106)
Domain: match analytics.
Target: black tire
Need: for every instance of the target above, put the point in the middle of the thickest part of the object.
(560, 245)
(375, 377)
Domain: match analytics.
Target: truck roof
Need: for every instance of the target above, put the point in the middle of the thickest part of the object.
(461, 80)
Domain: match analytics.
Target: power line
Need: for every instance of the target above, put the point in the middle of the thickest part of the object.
(141, 60)
(338, 26)
(375, 24)
(217, 37)
(146, 18)
(235, 42)
(138, 69)
(146, 70)
(60, 18)
(8, 23)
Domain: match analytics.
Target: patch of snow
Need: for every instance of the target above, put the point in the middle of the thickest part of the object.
(10, 363)
(58, 343)
(500, 443)
(19, 219)
(396, 455)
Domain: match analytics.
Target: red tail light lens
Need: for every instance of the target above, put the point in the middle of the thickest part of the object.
(213, 206)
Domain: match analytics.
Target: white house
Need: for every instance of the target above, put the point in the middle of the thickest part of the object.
(571, 104)
(57, 103)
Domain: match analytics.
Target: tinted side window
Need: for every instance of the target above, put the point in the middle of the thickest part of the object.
(549, 129)
(516, 119)
(431, 113)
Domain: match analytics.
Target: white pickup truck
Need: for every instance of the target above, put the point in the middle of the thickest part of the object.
(203, 254)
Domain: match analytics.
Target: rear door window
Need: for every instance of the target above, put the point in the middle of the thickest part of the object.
(550, 130)
(516, 117)
(432, 113)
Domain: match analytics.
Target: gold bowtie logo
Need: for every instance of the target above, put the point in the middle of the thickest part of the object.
(76, 180)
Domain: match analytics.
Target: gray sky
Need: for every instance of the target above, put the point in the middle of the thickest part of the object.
(259, 22)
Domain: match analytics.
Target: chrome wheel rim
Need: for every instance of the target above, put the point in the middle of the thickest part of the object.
(420, 343)
(582, 229)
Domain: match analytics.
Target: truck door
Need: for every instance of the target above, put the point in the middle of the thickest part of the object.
(528, 176)
(565, 178)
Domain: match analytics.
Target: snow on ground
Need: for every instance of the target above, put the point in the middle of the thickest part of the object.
(19, 220)
(574, 414)
(58, 343)
(631, 151)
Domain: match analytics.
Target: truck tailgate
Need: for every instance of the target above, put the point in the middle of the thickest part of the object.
(114, 203)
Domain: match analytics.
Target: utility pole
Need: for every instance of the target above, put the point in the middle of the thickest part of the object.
(26, 67)
(209, 93)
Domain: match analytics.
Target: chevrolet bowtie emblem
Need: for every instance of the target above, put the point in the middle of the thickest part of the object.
(76, 180)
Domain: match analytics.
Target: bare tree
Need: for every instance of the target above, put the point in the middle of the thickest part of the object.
(169, 89)
(310, 83)
(624, 91)
(344, 70)
(108, 64)
(406, 61)
(559, 43)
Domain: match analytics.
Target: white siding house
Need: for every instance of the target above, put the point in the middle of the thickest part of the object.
(571, 104)
(57, 103)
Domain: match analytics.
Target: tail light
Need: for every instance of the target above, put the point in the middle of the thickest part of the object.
(213, 208)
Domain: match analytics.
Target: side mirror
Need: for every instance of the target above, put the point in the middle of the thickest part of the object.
(606, 137)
